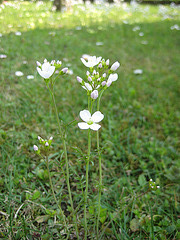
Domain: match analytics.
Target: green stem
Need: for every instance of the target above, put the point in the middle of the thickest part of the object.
(52, 189)
(66, 160)
(87, 177)
(100, 171)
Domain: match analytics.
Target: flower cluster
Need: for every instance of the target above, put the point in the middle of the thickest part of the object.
(152, 185)
(98, 78)
(47, 69)
(45, 144)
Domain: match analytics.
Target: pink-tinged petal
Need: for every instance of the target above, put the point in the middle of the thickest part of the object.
(95, 126)
(83, 125)
(85, 115)
(97, 117)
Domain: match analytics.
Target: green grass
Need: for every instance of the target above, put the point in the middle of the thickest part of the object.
(140, 132)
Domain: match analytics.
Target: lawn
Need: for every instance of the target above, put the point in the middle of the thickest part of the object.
(139, 134)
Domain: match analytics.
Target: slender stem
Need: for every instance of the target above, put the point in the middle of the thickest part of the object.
(66, 160)
(52, 189)
(87, 178)
(100, 171)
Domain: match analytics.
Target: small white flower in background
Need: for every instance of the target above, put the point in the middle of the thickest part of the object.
(90, 121)
(18, 33)
(176, 27)
(24, 62)
(70, 72)
(35, 148)
(0, 34)
(94, 94)
(125, 22)
(19, 73)
(99, 43)
(141, 34)
(144, 42)
(91, 61)
(115, 66)
(137, 28)
(51, 138)
(78, 28)
(30, 77)
(138, 71)
(46, 70)
(3, 56)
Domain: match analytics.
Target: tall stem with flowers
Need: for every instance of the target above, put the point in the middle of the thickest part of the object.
(99, 77)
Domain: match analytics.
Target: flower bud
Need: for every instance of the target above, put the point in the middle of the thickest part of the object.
(103, 83)
(94, 94)
(87, 73)
(53, 62)
(89, 79)
(115, 66)
(58, 62)
(38, 63)
(104, 75)
(51, 138)
(79, 79)
(64, 70)
(35, 148)
(46, 144)
(100, 65)
(94, 72)
(107, 62)
(108, 83)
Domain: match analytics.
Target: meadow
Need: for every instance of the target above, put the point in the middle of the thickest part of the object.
(139, 134)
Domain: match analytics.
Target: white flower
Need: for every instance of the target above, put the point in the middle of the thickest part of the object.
(138, 71)
(91, 61)
(35, 148)
(46, 70)
(51, 138)
(18, 33)
(115, 66)
(46, 144)
(90, 121)
(94, 94)
(99, 43)
(30, 77)
(19, 73)
(141, 34)
(3, 56)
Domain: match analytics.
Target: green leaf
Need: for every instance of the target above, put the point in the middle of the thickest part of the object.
(36, 195)
(134, 225)
(142, 180)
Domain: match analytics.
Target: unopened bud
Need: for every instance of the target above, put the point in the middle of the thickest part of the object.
(94, 94)
(64, 70)
(35, 148)
(107, 62)
(115, 66)
(79, 79)
(89, 79)
(103, 83)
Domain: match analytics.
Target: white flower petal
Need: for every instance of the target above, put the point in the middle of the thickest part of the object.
(97, 117)
(85, 115)
(83, 125)
(95, 126)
